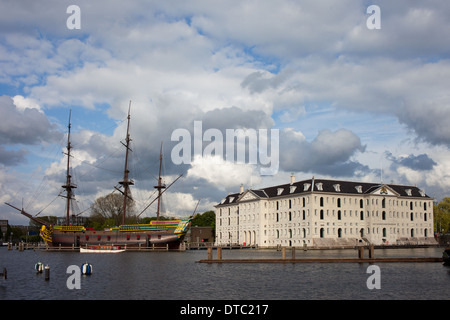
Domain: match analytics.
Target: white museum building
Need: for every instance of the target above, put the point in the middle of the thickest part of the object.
(325, 214)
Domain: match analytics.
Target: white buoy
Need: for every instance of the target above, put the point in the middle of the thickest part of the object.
(39, 267)
(86, 269)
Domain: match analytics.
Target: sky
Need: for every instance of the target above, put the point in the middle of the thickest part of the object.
(344, 93)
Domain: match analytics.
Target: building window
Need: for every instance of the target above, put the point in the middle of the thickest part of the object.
(361, 203)
(321, 201)
(383, 215)
(339, 202)
(319, 186)
(339, 233)
(322, 232)
(412, 216)
(321, 214)
(425, 216)
(339, 214)
(384, 232)
(361, 216)
(383, 203)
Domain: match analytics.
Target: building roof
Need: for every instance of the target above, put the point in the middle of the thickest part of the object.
(326, 186)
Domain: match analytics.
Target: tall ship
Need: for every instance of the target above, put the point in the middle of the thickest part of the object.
(157, 233)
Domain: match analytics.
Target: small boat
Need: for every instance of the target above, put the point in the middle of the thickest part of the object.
(446, 256)
(102, 249)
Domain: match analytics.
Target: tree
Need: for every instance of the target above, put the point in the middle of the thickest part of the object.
(107, 211)
(205, 219)
(442, 216)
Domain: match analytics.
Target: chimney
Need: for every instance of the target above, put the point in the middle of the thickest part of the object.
(242, 188)
(292, 178)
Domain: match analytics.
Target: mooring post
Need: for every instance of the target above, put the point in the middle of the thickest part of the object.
(219, 253)
(361, 252)
(47, 272)
(293, 253)
(283, 253)
(371, 251)
(209, 253)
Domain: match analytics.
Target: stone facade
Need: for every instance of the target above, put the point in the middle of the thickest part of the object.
(326, 213)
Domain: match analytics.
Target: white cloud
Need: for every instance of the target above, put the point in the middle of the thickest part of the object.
(313, 66)
(221, 173)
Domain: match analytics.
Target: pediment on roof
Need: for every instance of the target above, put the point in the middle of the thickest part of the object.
(384, 190)
(247, 196)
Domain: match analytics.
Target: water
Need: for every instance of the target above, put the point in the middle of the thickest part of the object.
(177, 275)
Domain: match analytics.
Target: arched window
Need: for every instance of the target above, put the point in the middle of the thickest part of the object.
(321, 201)
(322, 232)
(339, 233)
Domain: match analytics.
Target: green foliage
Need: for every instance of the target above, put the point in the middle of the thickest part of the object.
(442, 216)
(206, 219)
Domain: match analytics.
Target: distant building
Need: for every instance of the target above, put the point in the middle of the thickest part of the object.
(74, 221)
(3, 226)
(199, 235)
(326, 213)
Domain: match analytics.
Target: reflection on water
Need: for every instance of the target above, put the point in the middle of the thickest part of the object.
(177, 275)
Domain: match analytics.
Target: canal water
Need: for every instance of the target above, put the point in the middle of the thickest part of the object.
(178, 276)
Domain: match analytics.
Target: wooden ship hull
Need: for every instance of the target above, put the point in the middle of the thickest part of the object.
(165, 233)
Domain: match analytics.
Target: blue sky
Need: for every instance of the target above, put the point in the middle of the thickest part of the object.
(348, 101)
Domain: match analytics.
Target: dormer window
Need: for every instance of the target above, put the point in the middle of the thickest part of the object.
(292, 189)
(358, 189)
(231, 199)
(279, 191)
(319, 186)
(422, 192)
(337, 187)
(306, 186)
(408, 192)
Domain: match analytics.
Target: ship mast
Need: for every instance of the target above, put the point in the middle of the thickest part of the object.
(160, 185)
(68, 186)
(126, 182)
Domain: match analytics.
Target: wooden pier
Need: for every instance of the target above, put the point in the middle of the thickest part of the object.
(24, 246)
(293, 259)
